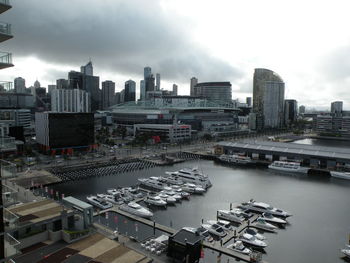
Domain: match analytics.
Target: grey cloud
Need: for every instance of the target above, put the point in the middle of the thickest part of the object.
(119, 36)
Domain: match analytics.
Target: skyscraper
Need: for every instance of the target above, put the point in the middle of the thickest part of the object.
(130, 91)
(20, 85)
(249, 101)
(87, 69)
(194, 82)
(268, 99)
(147, 72)
(149, 83)
(290, 111)
(142, 90)
(174, 89)
(157, 81)
(62, 83)
(337, 108)
(108, 91)
(301, 109)
(70, 100)
(216, 91)
(50, 88)
(75, 80)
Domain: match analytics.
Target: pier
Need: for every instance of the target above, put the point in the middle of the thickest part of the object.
(215, 245)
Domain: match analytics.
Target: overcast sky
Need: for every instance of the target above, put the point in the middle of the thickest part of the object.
(306, 42)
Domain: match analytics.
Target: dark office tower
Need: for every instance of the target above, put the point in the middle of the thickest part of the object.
(337, 108)
(91, 84)
(147, 72)
(87, 69)
(268, 99)
(108, 91)
(290, 111)
(62, 84)
(149, 83)
(130, 91)
(117, 99)
(194, 82)
(20, 85)
(249, 101)
(142, 90)
(215, 91)
(75, 80)
(302, 109)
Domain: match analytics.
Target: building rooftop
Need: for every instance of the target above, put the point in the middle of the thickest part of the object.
(213, 84)
(77, 202)
(292, 148)
(35, 212)
(183, 236)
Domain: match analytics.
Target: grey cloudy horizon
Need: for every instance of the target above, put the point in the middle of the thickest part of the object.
(122, 37)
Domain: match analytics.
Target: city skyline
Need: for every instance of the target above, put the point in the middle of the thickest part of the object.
(308, 54)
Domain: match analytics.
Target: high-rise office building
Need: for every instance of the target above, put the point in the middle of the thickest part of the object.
(142, 90)
(268, 99)
(130, 91)
(194, 82)
(147, 72)
(157, 81)
(149, 83)
(174, 90)
(87, 69)
(75, 80)
(37, 84)
(302, 109)
(117, 98)
(108, 91)
(290, 111)
(70, 100)
(20, 85)
(337, 108)
(215, 91)
(62, 83)
(249, 101)
(50, 88)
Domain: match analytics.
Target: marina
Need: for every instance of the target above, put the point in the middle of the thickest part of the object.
(221, 176)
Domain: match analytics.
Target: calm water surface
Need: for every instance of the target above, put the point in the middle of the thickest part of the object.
(318, 229)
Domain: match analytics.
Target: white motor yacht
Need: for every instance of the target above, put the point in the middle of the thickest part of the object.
(341, 175)
(167, 198)
(192, 176)
(171, 193)
(239, 247)
(113, 191)
(346, 251)
(201, 231)
(253, 232)
(260, 222)
(155, 200)
(215, 229)
(231, 215)
(152, 183)
(113, 199)
(251, 240)
(192, 188)
(272, 219)
(260, 207)
(136, 209)
(98, 202)
(226, 225)
(236, 159)
(285, 166)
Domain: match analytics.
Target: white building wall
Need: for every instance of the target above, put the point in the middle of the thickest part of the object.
(76, 100)
(42, 127)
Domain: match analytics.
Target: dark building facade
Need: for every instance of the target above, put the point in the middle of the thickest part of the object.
(130, 91)
(290, 111)
(216, 91)
(59, 131)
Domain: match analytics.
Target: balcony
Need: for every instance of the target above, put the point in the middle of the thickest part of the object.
(11, 246)
(10, 220)
(9, 196)
(5, 60)
(5, 31)
(8, 169)
(4, 5)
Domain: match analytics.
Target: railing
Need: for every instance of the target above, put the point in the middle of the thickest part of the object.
(5, 28)
(5, 58)
(6, 85)
(9, 195)
(8, 169)
(5, 2)
(11, 246)
(11, 220)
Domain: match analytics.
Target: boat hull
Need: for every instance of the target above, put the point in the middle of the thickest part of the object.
(341, 175)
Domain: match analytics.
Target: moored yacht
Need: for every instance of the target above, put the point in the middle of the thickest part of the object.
(346, 251)
(98, 202)
(253, 232)
(152, 183)
(136, 209)
(167, 198)
(263, 207)
(285, 166)
(215, 229)
(113, 199)
(260, 222)
(251, 240)
(192, 188)
(341, 175)
(155, 200)
(239, 247)
(236, 159)
(231, 215)
(191, 176)
(268, 217)
(226, 225)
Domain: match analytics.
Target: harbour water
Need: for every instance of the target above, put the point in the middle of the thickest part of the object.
(318, 229)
